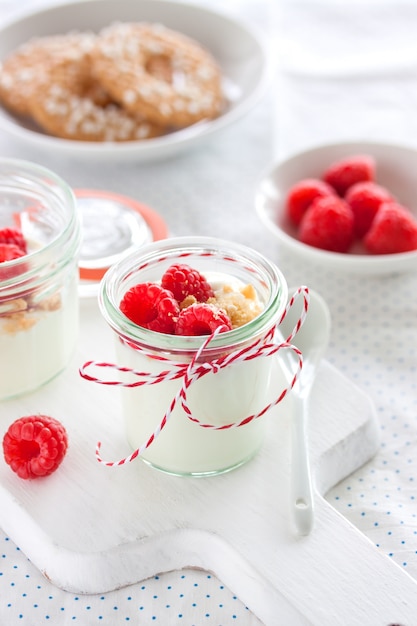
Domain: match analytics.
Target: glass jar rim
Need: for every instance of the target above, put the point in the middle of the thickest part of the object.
(180, 248)
(68, 238)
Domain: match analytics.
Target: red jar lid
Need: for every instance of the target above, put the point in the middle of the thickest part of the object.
(113, 225)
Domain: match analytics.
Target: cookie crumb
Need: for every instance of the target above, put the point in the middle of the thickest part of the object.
(241, 306)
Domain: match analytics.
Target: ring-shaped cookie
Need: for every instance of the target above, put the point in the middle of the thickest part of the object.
(158, 73)
(25, 68)
(70, 104)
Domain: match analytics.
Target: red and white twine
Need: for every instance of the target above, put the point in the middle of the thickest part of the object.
(192, 371)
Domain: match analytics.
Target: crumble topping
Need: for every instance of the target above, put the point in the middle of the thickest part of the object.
(20, 314)
(241, 306)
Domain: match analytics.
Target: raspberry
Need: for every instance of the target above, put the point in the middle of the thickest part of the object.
(328, 224)
(201, 319)
(35, 445)
(392, 230)
(365, 199)
(151, 306)
(183, 281)
(14, 236)
(302, 194)
(9, 252)
(355, 169)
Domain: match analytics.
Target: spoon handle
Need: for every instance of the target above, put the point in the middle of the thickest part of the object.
(302, 491)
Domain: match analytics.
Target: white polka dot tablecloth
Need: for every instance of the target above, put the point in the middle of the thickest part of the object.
(348, 72)
(186, 597)
(374, 319)
(374, 342)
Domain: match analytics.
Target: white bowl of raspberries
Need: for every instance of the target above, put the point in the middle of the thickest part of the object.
(352, 205)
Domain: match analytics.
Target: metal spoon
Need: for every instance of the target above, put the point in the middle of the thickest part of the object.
(312, 339)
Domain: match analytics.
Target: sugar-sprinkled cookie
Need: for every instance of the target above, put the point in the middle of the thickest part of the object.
(158, 73)
(25, 68)
(71, 104)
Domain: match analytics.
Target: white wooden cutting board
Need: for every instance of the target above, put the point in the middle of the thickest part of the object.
(91, 529)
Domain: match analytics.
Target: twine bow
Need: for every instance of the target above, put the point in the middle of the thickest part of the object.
(193, 371)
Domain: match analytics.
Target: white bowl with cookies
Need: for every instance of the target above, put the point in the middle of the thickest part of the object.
(366, 226)
(140, 80)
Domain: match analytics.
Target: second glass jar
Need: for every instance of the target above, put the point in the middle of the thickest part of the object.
(38, 291)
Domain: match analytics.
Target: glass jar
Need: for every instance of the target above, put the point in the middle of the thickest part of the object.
(38, 291)
(209, 435)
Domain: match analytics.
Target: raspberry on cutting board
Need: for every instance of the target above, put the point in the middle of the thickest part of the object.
(354, 169)
(365, 198)
(183, 281)
(35, 445)
(393, 230)
(328, 224)
(302, 194)
(151, 306)
(201, 319)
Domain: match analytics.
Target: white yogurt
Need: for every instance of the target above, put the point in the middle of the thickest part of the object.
(184, 447)
(38, 291)
(228, 396)
(35, 345)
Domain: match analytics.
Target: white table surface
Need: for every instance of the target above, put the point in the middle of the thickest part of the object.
(374, 335)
